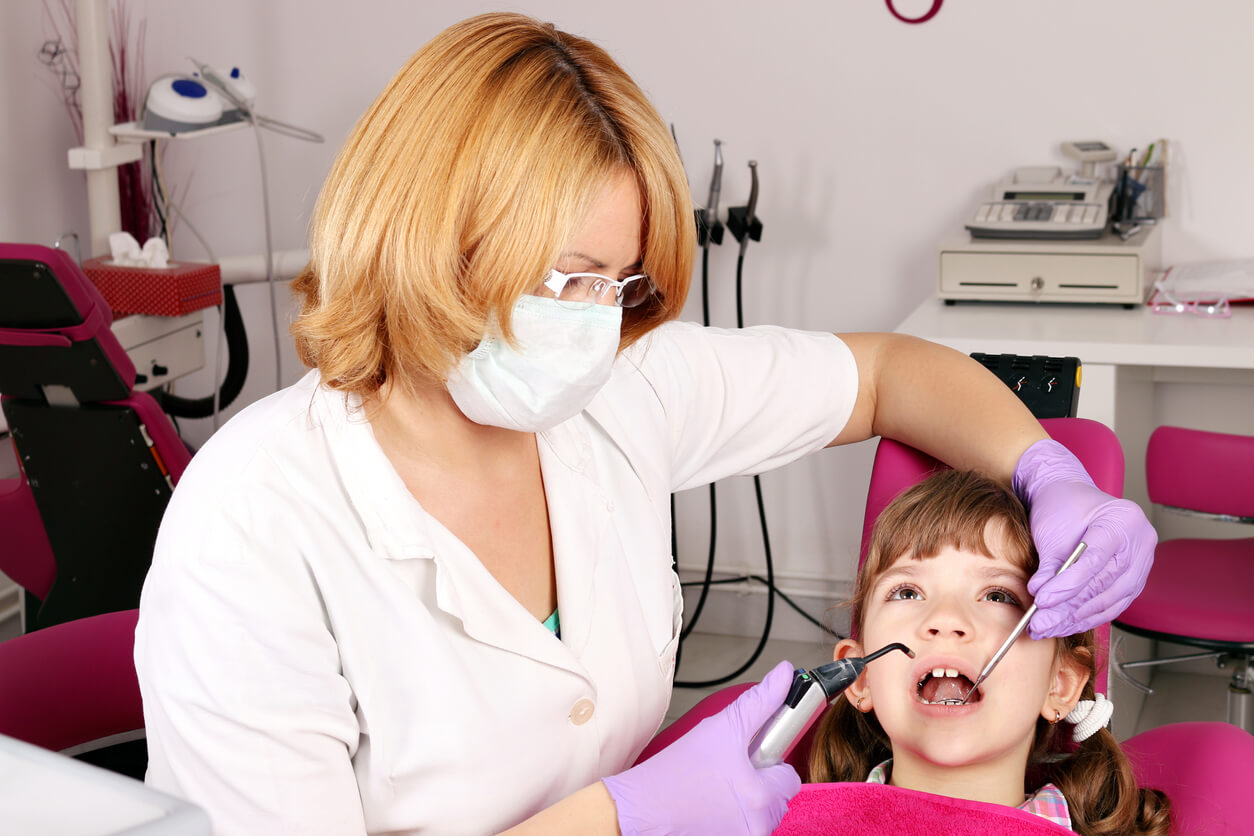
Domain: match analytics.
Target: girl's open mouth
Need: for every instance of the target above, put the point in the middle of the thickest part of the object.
(945, 686)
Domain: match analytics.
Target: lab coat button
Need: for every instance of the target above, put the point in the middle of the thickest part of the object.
(582, 711)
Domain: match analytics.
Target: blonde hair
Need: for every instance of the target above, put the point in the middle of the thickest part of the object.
(457, 190)
(953, 508)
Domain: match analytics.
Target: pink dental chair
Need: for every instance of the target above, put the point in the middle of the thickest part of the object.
(72, 688)
(1199, 592)
(1206, 768)
(98, 459)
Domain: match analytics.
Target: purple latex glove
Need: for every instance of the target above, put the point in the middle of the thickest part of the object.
(1065, 507)
(703, 782)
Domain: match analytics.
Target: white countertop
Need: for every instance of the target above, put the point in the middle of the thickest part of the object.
(52, 795)
(1094, 333)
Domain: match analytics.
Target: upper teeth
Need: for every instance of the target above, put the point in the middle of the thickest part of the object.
(939, 672)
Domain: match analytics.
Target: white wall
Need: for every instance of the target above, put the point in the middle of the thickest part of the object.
(873, 138)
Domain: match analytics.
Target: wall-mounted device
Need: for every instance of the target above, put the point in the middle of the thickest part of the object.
(1044, 202)
(178, 103)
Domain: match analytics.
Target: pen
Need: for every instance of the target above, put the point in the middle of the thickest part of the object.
(1149, 152)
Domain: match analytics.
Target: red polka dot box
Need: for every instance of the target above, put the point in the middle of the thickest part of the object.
(181, 288)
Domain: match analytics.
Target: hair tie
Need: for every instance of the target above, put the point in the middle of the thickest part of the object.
(1090, 715)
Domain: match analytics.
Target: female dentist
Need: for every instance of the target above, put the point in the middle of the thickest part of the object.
(428, 588)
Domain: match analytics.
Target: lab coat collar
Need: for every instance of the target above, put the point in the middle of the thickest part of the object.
(399, 529)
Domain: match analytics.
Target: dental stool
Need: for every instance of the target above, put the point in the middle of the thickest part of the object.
(72, 688)
(99, 459)
(1200, 591)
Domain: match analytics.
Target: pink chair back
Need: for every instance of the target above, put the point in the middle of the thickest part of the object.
(1201, 471)
(898, 466)
(1206, 769)
(72, 683)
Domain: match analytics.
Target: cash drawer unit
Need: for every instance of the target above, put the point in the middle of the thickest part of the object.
(1055, 271)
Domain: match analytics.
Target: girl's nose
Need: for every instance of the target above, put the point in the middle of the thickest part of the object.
(946, 620)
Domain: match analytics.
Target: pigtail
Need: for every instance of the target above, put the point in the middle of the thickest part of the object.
(1102, 793)
(847, 745)
(1096, 776)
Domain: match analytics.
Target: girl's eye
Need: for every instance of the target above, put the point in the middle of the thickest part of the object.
(1001, 596)
(904, 593)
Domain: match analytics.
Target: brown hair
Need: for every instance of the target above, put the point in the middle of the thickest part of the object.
(457, 189)
(954, 508)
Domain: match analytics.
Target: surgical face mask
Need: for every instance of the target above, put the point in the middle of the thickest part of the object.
(563, 359)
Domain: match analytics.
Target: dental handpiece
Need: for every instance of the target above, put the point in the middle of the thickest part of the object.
(811, 691)
(752, 209)
(716, 186)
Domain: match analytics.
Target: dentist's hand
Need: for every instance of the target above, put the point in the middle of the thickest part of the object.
(1065, 507)
(703, 782)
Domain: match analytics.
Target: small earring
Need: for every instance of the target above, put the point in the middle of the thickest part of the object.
(858, 704)
(1057, 717)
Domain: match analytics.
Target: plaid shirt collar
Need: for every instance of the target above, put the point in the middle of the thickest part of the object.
(1047, 802)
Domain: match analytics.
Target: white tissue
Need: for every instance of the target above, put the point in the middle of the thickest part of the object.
(126, 251)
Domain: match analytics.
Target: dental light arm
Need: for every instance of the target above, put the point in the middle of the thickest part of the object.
(811, 691)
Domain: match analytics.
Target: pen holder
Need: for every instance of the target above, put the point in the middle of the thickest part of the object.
(1140, 194)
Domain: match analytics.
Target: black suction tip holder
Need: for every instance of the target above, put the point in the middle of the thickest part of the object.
(708, 233)
(738, 222)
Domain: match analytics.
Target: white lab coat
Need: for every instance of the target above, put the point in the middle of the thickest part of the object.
(317, 654)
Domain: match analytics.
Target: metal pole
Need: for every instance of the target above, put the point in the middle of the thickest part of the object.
(96, 94)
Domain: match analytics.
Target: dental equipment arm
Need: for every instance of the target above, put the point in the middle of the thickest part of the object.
(811, 691)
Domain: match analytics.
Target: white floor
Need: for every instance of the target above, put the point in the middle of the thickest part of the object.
(1177, 697)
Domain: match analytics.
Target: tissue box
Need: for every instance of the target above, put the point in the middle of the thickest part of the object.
(178, 289)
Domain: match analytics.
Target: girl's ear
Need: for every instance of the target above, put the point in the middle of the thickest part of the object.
(859, 693)
(1066, 687)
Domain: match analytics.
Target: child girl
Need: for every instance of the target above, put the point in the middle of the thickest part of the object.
(946, 574)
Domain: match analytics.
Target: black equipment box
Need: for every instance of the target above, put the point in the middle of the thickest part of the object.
(1048, 386)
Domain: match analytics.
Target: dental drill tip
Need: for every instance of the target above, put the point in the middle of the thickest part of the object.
(889, 649)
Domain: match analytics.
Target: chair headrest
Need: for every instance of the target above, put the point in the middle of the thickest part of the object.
(54, 329)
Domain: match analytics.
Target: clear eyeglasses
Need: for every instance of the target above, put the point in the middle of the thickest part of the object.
(582, 289)
(1165, 303)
